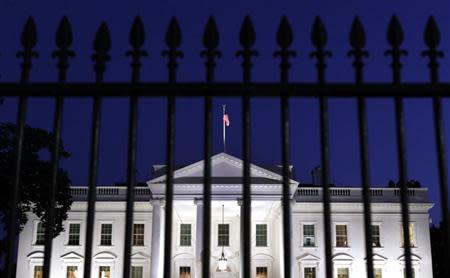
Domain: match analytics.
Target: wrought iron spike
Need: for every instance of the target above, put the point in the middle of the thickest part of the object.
(357, 34)
(102, 41)
(395, 32)
(247, 36)
(64, 34)
(284, 33)
(211, 34)
(319, 35)
(432, 35)
(173, 34)
(29, 34)
(137, 33)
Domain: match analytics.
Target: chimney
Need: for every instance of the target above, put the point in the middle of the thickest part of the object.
(316, 174)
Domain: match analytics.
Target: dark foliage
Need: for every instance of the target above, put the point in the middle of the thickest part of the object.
(411, 184)
(35, 175)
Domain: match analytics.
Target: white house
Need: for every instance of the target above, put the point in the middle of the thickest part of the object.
(307, 228)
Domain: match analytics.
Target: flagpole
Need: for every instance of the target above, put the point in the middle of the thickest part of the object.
(224, 129)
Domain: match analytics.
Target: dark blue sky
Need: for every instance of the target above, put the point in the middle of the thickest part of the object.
(85, 17)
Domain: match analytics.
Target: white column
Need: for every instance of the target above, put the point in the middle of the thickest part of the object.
(198, 237)
(241, 242)
(156, 252)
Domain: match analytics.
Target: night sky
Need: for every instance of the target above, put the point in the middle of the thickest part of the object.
(86, 16)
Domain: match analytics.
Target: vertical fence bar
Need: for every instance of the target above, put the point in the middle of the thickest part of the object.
(284, 40)
(395, 39)
(319, 40)
(136, 40)
(210, 42)
(432, 40)
(102, 45)
(358, 42)
(247, 39)
(63, 41)
(28, 41)
(173, 41)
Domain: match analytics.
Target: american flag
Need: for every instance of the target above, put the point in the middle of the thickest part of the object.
(226, 119)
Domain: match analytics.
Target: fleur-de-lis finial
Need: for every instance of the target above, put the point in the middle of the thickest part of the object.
(284, 40)
(247, 38)
(63, 41)
(358, 42)
(319, 39)
(432, 38)
(210, 42)
(28, 40)
(395, 39)
(173, 41)
(136, 39)
(102, 45)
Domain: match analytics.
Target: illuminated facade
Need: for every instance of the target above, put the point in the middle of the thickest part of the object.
(307, 229)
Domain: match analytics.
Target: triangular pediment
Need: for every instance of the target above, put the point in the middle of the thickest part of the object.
(71, 256)
(223, 166)
(226, 173)
(308, 257)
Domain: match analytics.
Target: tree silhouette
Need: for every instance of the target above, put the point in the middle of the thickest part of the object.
(35, 176)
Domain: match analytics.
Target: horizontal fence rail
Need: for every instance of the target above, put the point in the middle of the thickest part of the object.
(247, 89)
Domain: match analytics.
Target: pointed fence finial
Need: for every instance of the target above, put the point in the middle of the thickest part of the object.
(247, 38)
(173, 41)
(28, 40)
(63, 41)
(284, 40)
(432, 38)
(395, 32)
(210, 42)
(247, 35)
(136, 39)
(102, 45)
(358, 42)
(319, 39)
(395, 39)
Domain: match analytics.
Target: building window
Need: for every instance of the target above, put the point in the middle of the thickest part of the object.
(261, 272)
(224, 235)
(40, 234)
(38, 271)
(137, 272)
(185, 234)
(138, 235)
(310, 272)
(72, 272)
(413, 273)
(185, 272)
(342, 273)
(341, 236)
(74, 234)
(377, 273)
(309, 238)
(106, 234)
(376, 236)
(411, 235)
(104, 272)
(261, 235)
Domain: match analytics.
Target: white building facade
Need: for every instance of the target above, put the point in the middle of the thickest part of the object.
(307, 229)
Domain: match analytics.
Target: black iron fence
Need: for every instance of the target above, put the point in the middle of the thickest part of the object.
(246, 90)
